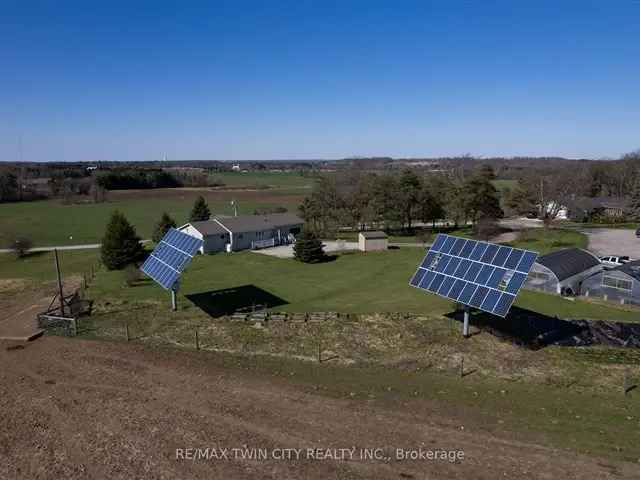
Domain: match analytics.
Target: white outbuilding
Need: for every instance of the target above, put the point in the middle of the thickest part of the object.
(372, 241)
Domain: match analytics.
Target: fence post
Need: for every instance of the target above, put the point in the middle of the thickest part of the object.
(197, 340)
(462, 367)
(126, 329)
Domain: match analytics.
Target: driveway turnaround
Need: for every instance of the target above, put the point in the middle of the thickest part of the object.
(613, 241)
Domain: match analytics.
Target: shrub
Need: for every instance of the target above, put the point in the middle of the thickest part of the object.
(120, 244)
(200, 210)
(21, 246)
(162, 227)
(308, 248)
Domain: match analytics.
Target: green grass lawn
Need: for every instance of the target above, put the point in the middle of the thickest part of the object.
(40, 266)
(547, 240)
(352, 283)
(50, 222)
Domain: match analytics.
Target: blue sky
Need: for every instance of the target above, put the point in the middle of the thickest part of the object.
(263, 80)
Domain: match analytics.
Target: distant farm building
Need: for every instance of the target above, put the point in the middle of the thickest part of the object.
(372, 241)
(245, 232)
(563, 272)
(621, 284)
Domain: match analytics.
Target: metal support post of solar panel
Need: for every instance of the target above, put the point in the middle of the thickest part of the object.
(477, 274)
(169, 259)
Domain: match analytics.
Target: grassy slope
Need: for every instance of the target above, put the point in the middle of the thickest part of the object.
(40, 266)
(353, 283)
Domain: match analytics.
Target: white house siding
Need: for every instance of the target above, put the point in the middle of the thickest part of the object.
(372, 244)
(244, 240)
(216, 243)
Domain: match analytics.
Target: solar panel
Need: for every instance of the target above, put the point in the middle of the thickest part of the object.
(478, 274)
(169, 259)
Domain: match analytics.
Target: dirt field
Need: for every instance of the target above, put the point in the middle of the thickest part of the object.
(82, 409)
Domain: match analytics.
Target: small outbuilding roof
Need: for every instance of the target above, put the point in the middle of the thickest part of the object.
(373, 235)
(569, 262)
(632, 269)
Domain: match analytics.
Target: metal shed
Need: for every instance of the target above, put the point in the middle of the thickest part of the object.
(372, 241)
(620, 284)
(563, 272)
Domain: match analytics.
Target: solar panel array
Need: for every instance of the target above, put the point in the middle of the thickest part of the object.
(479, 274)
(171, 257)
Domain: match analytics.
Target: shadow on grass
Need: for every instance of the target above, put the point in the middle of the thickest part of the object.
(530, 329)
(31, 254)
(246, 298)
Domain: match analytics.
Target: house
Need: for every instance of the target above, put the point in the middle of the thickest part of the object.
(620, 284)
(372, 241)
(589, 209)
(563, 272)
(231, 234)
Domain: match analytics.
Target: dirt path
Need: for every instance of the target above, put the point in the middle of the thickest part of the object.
(81, 409)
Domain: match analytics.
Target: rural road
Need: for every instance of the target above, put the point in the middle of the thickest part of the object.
(88, 246)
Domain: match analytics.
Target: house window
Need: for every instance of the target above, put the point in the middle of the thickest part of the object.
(618, 283)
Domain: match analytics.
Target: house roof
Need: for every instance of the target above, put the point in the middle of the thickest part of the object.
(569, 262)
(373, 235)
(208, 227)
(256, 223)
(632, 269)
(246, 223)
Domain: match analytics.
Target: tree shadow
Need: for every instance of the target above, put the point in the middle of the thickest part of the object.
(245, 298)
(32, 254)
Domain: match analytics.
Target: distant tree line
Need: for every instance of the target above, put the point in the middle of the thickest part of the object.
(399, 200)
(137, 179)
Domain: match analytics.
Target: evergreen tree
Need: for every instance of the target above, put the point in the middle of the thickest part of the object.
(481, 199)
(634, 203)
(200, 211)
(120, 244)
(308, 248)
(162, 227)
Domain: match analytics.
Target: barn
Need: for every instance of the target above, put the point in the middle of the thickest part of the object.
(372, 241)
(563, 272)
(620, 284)
(245, 232)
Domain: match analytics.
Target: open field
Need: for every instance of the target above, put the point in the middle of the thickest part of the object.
(78, 409)
(249, 180)
(51, 222)
(40, 266)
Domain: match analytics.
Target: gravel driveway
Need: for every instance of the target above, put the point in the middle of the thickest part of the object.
(286, 251)
(612, 241)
